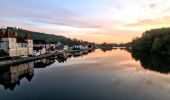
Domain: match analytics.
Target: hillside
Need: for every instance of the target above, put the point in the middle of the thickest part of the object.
(49, 37)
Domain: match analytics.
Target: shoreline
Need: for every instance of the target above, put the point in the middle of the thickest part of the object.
(25, 60)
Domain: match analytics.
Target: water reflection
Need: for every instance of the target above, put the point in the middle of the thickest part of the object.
(61, 60)
(43, 63)
(99, 76)
(10, 77)
(81, 53)
(112, 48)
(158, 63)
(107, 49)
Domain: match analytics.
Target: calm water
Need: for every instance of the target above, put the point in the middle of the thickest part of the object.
(99, 75)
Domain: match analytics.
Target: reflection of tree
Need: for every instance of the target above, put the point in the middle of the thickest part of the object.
(159, 63)
(107, 49)
(61, 60)
(43, 63)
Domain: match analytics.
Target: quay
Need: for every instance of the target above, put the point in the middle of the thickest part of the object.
(15, 61)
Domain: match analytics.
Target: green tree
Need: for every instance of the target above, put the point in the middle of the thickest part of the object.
(156, 46)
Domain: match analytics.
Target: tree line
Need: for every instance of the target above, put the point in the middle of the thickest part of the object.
(154, 41)
(50, 37)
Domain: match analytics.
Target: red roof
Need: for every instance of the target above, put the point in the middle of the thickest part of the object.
(20, 40)
(27, 37)
(8, 34)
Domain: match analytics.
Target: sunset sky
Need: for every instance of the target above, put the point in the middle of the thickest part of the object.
(113, 21)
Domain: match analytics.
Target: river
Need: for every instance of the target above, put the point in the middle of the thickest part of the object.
(99, 75)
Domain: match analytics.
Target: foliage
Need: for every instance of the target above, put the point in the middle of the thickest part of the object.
(3, 53)
(155, 40)
(156, 45)
(50, 37)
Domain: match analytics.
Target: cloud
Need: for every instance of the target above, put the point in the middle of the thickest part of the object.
(164, 21)
(47, 14)
(152, 6)
(107, 20)
(141, 23)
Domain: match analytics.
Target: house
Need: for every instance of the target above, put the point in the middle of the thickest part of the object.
(59, 46)
(77, 47)
(15, 45)
(41, 50)
(43, 46)
(66, 48)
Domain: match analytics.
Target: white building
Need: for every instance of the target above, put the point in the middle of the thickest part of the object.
(15, 45)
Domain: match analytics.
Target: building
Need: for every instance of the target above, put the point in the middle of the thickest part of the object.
(15, 45)
(42, 46)
(66, 48)
(59, 46)
(77, 47)
(40, 50)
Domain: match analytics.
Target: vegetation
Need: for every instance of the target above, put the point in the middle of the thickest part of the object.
(154, 41)
(49, 37)
(110, 45)
(3, 54)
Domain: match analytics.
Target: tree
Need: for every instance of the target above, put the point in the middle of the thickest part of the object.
(156, 46)
(155, 40)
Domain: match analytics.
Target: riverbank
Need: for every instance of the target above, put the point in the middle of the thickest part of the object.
(130, 49)
(7, 63)
(15, 61)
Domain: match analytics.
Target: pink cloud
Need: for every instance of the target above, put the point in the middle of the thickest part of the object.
(152, 6)
(141, 23)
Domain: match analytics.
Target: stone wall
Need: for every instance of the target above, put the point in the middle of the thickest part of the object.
(19, 52)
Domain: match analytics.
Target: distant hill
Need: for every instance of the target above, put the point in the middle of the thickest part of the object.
(49, 37)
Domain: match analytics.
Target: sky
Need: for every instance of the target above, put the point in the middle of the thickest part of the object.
(112, 21)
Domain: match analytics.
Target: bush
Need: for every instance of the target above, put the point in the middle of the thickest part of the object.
(3, 53)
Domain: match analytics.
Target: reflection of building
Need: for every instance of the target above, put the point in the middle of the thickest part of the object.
(61, 60)
(77, 53)
(81, 53)
(15, 45)
(10, 77)
(42, 63)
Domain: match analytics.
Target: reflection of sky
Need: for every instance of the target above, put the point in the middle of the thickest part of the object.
(93, 20)
(110, 76)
